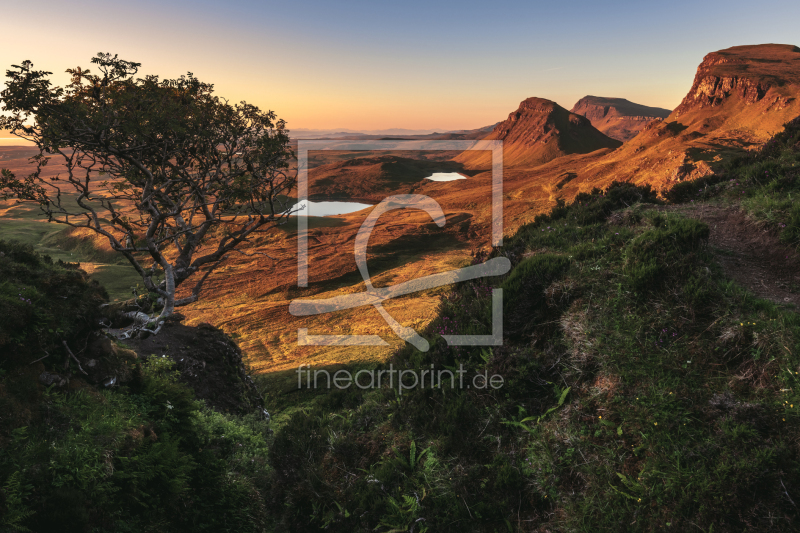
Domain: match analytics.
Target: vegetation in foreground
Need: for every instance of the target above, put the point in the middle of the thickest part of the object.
(643, 391)
(144, 455)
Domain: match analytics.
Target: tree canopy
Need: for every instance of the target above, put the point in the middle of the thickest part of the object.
(174, 176)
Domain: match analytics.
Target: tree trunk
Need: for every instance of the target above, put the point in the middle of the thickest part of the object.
(169, 300)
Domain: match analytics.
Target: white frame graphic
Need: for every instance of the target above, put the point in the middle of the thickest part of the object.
(373, 296)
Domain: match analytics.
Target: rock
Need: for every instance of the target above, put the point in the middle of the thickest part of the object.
(49, 378)
(539, 131)
(210, 362)
(175, 318)
(689, 171)
(107, 358)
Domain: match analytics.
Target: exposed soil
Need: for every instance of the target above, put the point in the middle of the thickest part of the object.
(751, 255)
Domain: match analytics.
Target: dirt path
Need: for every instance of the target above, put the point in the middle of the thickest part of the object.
(752, 256)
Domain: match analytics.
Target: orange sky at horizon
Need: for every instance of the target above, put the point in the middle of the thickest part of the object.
(431, 65)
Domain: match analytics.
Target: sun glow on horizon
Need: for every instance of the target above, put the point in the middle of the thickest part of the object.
(359, 66)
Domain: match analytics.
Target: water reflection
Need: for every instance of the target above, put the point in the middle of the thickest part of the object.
(324, 209)
(445, 176)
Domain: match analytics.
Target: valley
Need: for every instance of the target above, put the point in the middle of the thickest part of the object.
(642, 376)
(740, 96)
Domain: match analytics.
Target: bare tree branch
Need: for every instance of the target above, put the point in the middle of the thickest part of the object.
(72, 355)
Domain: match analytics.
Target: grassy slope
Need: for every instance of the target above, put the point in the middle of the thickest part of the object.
(25, 223)
(142, 456)
(644, 390)
(764, 184)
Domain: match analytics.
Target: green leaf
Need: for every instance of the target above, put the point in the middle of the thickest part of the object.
(563, 396)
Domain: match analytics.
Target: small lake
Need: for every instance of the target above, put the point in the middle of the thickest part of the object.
(445, 176)
(325, 209)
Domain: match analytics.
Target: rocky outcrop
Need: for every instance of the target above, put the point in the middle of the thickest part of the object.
(748, 72)
(209, 361)
(709, 90)
(541, 130)
(690, 170)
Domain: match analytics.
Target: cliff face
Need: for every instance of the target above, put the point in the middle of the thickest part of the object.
(618, 118)
(541, 130)
(739, 98)
(752, 73)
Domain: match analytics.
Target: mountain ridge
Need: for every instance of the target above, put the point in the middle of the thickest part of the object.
(537, 132)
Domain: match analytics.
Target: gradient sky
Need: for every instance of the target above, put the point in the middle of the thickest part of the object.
(413, 64)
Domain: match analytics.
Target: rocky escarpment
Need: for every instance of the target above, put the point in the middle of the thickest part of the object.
(739, 98)
(709, 90)
(541, 130)
(539, 120)
(749, 72)
(618, 118)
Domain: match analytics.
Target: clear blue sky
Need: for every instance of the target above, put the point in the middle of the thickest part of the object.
(413, 64)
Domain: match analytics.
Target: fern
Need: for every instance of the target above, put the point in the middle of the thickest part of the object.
(538, 419)
(16, 511)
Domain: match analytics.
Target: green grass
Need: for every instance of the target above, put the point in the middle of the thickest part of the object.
(764, 184)
(144, 457)
(643, 391)
(141, 456)
(31, 232)
(116, 276)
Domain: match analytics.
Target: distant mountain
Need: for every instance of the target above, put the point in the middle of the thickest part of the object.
(394, 134)
(740, 97)
(618, 118)
(306, 133)
(539, 131)
(477, 133)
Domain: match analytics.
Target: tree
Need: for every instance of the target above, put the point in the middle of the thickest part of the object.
(164, 169)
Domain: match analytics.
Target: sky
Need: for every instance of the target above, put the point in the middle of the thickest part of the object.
(422, 65)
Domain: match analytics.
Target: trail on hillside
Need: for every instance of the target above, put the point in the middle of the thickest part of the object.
(751, 255)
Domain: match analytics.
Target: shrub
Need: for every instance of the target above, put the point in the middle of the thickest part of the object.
(524, 299)
(42, 304)
(685, 191)
(596, 206)
(663, 252)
